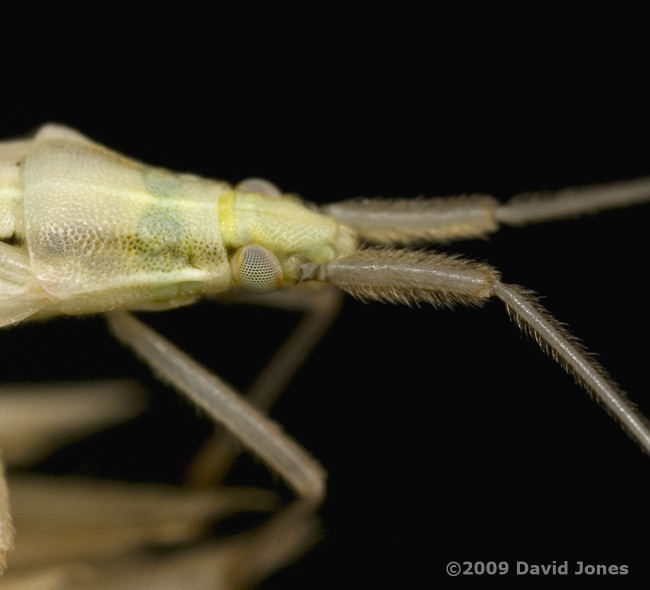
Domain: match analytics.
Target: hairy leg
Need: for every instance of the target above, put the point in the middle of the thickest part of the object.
(320, 307)
(257, 432)
(6, 527)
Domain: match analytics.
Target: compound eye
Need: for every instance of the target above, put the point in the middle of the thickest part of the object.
(256, 269)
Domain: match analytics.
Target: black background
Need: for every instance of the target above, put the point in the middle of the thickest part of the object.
(446, 434)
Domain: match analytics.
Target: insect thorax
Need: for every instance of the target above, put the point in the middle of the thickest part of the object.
(102, 227)
(104, 231)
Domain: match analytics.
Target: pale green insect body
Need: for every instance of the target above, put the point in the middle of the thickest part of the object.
(90, 230)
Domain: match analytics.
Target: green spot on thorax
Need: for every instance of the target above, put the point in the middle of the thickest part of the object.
(161, 234)
(162, 183)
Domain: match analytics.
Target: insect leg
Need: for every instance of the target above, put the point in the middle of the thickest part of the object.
(36, 418)
(320, 307)
(261, 435)
(6, 528)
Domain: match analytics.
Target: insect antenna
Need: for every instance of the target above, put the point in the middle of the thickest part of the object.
(412, 276)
